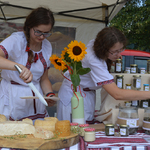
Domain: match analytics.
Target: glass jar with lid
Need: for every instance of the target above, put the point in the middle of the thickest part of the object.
(142, 70)
(148, 66)
(133, 68)
(119, 81)
(128, 86)
(82, 127)
(74, 127)
(129, 116)
(146, 120)
(124, 130)
(127, 70)
(89, 134)
(135, 103)
(136, 82)
(144, 103)
(109, 129)
(145, 87)
(118, 66)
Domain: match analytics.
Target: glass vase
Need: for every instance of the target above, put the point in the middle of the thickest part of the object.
(77, 106)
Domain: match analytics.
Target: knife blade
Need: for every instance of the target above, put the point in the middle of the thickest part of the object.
(33, 88)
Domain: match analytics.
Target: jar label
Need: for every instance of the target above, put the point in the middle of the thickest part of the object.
(146, 88)
(118, 67)
(122, 131)
(119, 83)
(133, 69)
(138, 83)
(111, 131)
(134, 103)
(132, 123)
(145, 104)
(128, 87)
(142, 71)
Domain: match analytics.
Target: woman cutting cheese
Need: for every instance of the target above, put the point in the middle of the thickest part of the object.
(101, 52)
(30, 50)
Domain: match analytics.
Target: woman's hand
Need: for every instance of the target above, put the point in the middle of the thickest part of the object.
(26, 74)
(50, 102)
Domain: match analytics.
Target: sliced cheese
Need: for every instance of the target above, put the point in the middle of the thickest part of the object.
(42, 133)
(16, 128)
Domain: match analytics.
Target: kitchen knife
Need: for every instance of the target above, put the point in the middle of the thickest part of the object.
(31, 85)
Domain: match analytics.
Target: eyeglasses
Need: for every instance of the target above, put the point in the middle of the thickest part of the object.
(117, 51)
(39, 33)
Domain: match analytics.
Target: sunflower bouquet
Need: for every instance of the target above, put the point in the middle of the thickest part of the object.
(70, 60)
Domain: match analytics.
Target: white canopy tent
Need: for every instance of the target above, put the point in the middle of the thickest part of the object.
(87, 16)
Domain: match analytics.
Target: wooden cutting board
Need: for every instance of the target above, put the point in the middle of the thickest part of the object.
(30, 142)
(98, 127)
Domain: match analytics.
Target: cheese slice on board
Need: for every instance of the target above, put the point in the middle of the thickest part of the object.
(16, 128)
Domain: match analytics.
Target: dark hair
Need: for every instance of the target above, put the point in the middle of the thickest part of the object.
(106, 39)
(37, 17)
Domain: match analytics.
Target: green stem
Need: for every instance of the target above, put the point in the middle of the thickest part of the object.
(75, 72)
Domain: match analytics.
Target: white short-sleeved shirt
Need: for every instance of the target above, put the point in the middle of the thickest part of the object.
(98, 76)
(12, 105)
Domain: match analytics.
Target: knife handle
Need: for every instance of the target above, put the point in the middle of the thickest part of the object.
(18, 69)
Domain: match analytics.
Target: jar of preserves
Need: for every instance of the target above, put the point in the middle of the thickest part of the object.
(118, 66)
(124, 130)
(127, 70)
(74, 127)
(133, 68)
(135, 103)
(136, 82)
(128, 86)
(109, 129)
(148, 66)
(129, 116)
(144, 103)
(145, 87)
(81, 128)
(142, 70)
(119, 81)
(146, 121)
(89, 134)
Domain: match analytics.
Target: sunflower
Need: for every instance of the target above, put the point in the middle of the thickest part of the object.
(57, 62)
(65, 56)
(76, 50)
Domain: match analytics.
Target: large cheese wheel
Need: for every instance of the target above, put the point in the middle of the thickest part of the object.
(45, 124)
(51, 118)
(2, 118)
(42, 133)
(62, 128)
(16, 128)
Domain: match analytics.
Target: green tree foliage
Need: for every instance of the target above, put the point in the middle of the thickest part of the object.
(134, 21)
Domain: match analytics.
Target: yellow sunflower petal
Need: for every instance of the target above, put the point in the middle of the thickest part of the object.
(76, 50)
(55, 61)
(63, 52)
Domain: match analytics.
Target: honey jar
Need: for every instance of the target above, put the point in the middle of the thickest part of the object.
(133, 68)
(118, 66)
(81, 128)
(136, 82)
(119, 81)
(109, 129)
(124, 130)
(89, 134)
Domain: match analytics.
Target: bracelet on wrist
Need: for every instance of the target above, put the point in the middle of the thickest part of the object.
(50, 94)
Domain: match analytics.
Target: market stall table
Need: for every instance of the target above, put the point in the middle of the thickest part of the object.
(139, 141)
